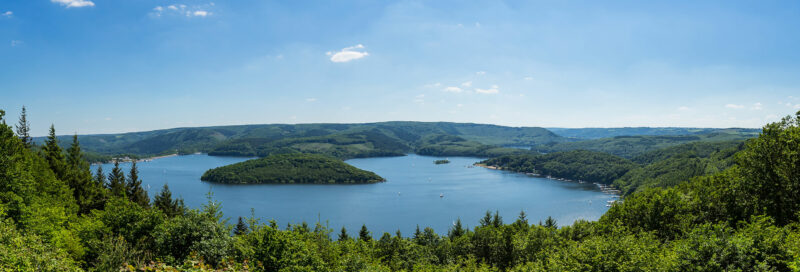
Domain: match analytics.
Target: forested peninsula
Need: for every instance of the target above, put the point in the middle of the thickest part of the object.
(291, 169)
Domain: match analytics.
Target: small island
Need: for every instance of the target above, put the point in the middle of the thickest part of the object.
(291, 169)
(441, 161)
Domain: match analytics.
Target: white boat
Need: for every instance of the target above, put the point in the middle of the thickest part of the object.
(441, 195)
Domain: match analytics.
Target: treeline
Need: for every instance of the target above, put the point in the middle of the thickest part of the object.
(660, 168)
(291, 169)
(631, 146)
(575, 165)
(746, 218)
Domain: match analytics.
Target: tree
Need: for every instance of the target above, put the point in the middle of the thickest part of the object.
(550, 223)
(100, 177)
(487, 219)
(116, 180)
(343, 235)
(24, 129)
(87, 193)
(364, 234)
(456, 231)
(134, 189)
(54, 154)
(497, 220)
(241, 227)
(522, 220)
(770, 168)
(164, 202)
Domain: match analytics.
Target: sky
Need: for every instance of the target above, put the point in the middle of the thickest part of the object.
(110, 66)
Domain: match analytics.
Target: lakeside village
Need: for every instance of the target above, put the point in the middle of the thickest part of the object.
(607, 189)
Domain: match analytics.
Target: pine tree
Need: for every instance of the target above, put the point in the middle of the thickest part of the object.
(457, 230)
(343, 235)
(364, 234)
(550, 223)
(116, 180)
(241, 227)
(497, 220)
(164, 202)
(522, 221)
(86, 192)
(487, 219)
(24, 129)
(417, 235)
(100, 177)
(54, 154)
(134, 189)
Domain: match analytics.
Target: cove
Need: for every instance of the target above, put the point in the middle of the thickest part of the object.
(417, 192)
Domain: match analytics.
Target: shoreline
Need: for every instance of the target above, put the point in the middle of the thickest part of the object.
(128, 159)
(608, 189)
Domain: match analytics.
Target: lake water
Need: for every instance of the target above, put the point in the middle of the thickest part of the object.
(410, 196)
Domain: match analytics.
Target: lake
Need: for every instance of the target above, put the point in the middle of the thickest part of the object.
(417, 191)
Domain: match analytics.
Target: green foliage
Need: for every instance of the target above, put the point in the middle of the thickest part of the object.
(133, 188)
(631, 146)
(170, 207)
(291, 168)
(116, 181)
(575, 165)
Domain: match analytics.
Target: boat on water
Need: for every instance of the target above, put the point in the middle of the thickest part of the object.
(441, 195)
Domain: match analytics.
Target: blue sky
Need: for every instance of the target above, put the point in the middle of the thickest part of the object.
(103, 66)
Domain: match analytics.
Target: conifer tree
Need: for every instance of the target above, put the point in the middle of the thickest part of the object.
(164, 202)
(343, 235)
(497, 220)
(116, 180)
(457, 230)
(522, 221)
(417, 235)
(487, 219)
(241, 227)
(364, 234)
(134, 189)
(99, 176)
(550, 223)
(87, 193)
(54, 154)
(24, 129)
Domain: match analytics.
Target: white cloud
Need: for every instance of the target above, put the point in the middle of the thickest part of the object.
(797, 106)
(528, 78)
(683, 108)
(8, 14)
(493, 90)
(311, 99)
(434, 85)
(480, 73)
(181, 9)
(460, 105)
(467, 84)
(15, 43)
(757, 106)
(107, 118)
(74, 3)
(348, 54)
(734, 106)
(201, 13)
(419, 99)
(452, 89)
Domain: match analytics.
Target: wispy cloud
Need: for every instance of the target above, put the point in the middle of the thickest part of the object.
(15, 43)
(348, 53)
(683, 108)
(757, 106)
(311, 99)
(480, 73)
(74, 3)
(184, 10)
(493, 90)
(466, 84)
(452, 89)
(433, 85)
(734, 106)
(419, 99)
(528, 78)
(7, 14)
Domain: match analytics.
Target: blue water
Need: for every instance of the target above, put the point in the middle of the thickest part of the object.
(410, 196)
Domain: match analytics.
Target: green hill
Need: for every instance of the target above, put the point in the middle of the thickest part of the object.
(291, 169)
(338, 140)
(632, 146)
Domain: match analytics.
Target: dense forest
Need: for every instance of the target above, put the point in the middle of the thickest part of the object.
(343, 141)
(659, 168)
(597, 133)
(291, 169)
(632, 146)
(55, 215)
(581, 165)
